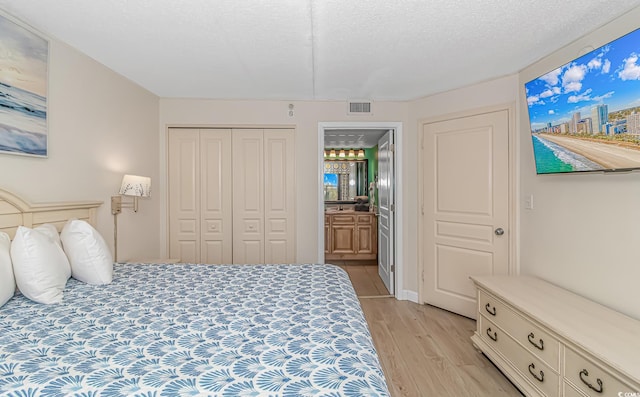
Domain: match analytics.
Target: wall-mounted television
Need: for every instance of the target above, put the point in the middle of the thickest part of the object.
(585, 115)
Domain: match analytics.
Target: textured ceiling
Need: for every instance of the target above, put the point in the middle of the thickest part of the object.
(352, 139)
(314, 49)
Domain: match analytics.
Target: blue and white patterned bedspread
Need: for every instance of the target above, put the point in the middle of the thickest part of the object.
(194, 330)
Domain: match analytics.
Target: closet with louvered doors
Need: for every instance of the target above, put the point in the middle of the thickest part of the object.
(231, 195)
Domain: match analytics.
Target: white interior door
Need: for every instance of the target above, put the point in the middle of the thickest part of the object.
(279, 196)
(466, 207)
(216, 197)
(184, 194)
(248, 196)
(385, 211)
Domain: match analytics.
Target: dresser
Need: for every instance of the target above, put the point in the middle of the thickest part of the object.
(551, 342)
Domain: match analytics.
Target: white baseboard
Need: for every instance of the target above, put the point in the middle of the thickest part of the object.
(406, 295)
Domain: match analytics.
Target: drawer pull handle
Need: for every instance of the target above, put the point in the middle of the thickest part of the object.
(584, 372)
(540, 378)
(493, 337)
(490, 310)
(539, 346)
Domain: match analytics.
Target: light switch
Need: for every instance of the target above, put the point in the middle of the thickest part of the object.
(528, 202)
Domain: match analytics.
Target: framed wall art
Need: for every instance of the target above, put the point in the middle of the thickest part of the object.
(23, 90)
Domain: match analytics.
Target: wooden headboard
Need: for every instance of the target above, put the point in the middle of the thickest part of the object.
(15, 211)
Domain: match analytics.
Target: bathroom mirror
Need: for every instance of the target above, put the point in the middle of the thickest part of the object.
(345, 179)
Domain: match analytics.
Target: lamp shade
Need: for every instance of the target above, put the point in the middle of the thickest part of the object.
(133, 185)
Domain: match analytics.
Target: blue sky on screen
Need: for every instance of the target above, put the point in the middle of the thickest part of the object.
(331, 179)
(607, 75)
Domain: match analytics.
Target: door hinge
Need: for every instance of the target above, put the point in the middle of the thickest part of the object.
(392, 207)
(392, 147)
(393, 268)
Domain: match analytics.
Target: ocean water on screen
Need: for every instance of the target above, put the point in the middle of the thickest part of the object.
(23, 121)
(553, 158)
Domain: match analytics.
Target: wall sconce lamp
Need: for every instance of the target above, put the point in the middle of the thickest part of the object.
(361, 153)
(133, 186)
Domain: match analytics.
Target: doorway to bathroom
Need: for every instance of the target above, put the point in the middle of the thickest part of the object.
(358, 215)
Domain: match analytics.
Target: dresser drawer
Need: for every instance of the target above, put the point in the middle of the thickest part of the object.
(343, 219)
(529, 335)
(570, 391)
(365, 219)
(530, 367)
(581, 372)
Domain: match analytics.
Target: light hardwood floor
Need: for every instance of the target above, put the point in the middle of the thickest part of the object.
(426, 352)
(365, 279)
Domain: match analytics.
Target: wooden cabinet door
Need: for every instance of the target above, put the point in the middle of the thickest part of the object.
(327, 235)
(366, 239)
(343, 238)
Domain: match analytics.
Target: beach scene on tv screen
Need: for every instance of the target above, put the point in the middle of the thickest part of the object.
(585, 115)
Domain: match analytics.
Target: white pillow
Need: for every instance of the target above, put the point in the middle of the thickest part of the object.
(51, 232)
(88, 253)
(39, 264)
(7, 281)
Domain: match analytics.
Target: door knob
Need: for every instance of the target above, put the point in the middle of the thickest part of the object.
(499, 231)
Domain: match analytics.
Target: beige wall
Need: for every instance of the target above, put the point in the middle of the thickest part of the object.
(100, 127)
(584, 230)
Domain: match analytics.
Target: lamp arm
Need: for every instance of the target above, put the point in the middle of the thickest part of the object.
(117, 204)
(115, 237)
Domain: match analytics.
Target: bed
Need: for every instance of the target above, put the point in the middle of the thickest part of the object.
(188, 329)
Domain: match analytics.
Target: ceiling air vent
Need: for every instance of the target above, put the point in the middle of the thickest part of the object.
(359, 107)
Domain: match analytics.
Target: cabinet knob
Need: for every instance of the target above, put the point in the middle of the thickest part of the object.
(499, 231)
